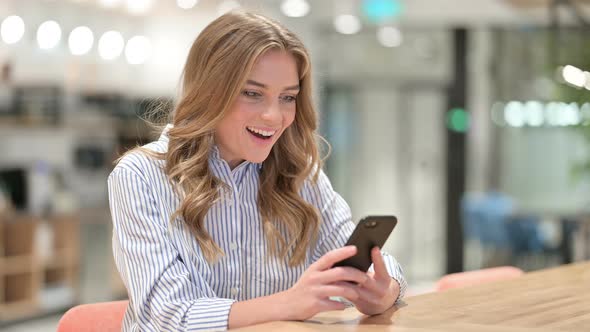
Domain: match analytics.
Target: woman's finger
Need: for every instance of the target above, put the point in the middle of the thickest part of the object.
(332, 257)
(375, 287)
(342, 273)
(379, 265)
(368, 296)
(349, 292)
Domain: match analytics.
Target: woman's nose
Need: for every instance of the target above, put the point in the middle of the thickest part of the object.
(272, 113)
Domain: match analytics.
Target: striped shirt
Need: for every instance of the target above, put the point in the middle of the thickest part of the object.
(170, 284)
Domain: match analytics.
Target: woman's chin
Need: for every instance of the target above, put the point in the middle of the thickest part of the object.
(258, 158)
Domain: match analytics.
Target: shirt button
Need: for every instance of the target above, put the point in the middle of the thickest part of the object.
(233, 246)
(234, 291)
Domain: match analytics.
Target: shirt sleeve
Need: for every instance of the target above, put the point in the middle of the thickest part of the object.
(337, 226)
(163, 294)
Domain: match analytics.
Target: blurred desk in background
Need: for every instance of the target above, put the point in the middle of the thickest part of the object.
(556, 299)
(576, 240)
(575, 230)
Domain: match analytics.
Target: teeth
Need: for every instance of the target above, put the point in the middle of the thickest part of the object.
(262, 132)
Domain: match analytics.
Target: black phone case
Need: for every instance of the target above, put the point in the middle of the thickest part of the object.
(370, 232)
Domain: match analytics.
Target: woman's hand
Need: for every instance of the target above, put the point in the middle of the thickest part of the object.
(379, 292)
(372, 293)
(310, 295)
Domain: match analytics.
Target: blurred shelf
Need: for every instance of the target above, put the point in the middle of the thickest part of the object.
(62, 258)
(16, 264)
(39, 265)
(17, 310)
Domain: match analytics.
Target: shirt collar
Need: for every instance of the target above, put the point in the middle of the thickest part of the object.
(214, 154)
(164, 136)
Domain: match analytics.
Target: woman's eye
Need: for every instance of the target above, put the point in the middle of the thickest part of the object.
(289, 99)
(251, 94)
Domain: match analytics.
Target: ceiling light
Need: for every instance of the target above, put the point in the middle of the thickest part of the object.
(139, 7)
(12, 29)
(111, 45)
(347, 24)
(138, 50)
(48, 35)
(295, 8)
(389, 36)
(574, 76)
(80, 40)
(186, 4)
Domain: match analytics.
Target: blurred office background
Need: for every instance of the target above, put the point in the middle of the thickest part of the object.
(469, 120)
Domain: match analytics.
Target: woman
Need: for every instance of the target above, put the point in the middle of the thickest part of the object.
(228, 220)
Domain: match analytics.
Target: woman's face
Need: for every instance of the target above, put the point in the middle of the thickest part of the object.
(264, 108)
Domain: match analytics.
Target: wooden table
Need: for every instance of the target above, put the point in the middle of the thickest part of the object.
(556, 299)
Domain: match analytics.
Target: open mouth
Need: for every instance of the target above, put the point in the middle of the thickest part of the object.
(262, 134)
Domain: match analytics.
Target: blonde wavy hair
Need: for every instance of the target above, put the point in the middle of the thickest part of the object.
(216, 70)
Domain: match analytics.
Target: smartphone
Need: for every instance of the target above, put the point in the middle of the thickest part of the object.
(370, 232)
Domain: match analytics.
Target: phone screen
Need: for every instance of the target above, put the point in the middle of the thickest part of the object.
(370, 232)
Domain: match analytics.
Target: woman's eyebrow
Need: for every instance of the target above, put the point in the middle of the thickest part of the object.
(264, 86)
(293, 87)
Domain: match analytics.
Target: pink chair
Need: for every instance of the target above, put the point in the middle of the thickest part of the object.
(463, 279)
(94, 317)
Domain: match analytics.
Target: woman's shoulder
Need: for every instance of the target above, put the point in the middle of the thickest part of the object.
(317, 182)
(143, 161)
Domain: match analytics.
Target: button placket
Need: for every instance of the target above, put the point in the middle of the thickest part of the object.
(228, 195)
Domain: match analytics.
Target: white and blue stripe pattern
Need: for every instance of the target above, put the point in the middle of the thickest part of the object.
(171, 286)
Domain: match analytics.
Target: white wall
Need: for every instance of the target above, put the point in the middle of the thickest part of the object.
(25, 146)
(426, 183)
(399, 169)
(536, 166)
(394, 163)
(479, 91)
